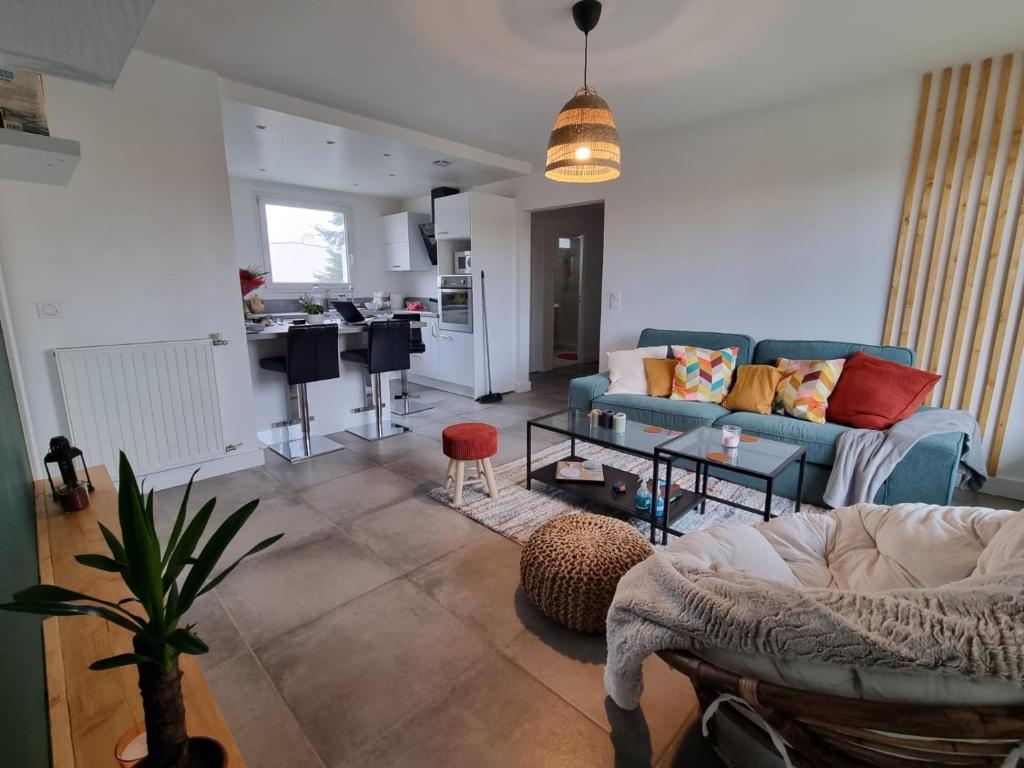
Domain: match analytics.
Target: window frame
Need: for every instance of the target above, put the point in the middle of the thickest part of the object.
(272, 288)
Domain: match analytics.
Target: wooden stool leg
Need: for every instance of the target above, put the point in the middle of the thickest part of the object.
(492, 487)
(449, 477)
(460, 476)
(479, 470)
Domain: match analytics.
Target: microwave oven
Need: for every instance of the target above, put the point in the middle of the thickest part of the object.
(463, 262)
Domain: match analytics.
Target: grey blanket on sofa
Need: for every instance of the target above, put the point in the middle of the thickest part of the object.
(973, 627)
(866, 457)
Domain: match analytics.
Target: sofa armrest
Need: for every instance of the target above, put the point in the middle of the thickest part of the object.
(583, 390)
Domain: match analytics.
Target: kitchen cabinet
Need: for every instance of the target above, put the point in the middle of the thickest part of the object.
(452, 220)
(455, 358)
(404, 250)
(426, 363)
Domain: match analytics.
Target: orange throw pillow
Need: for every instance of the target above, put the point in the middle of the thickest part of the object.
(754, 389)
(660, 371)
(874, 393)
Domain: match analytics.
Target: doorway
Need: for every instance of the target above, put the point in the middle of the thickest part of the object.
(567, 253)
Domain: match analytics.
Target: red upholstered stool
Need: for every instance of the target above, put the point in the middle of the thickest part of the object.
(473, 442)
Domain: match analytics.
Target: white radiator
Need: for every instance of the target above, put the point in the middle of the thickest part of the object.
(157, 402)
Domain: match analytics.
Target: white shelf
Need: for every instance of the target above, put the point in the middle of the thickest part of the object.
(42, 159)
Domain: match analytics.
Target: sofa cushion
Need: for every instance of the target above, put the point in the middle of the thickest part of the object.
(805, 387)
(708, 339)
(874, 393)
(767, 352)
(626, 369)
(819, 440)
(754, 389)
(703, 375)
(661, 412)
(660, 372)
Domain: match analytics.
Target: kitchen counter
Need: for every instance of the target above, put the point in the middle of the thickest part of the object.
(278, 330)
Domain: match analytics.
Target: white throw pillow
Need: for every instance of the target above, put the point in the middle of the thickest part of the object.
(626, 370)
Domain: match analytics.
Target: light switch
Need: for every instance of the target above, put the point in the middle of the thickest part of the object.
(614, 299)
(48, 310)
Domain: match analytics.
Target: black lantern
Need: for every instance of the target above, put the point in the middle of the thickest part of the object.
(72, 494)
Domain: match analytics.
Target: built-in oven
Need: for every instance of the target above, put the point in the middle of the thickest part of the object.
(455, 303)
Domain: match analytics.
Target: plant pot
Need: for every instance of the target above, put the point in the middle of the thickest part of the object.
(203, 752)
(315, 319)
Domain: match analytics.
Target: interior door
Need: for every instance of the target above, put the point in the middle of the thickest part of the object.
(567, 281)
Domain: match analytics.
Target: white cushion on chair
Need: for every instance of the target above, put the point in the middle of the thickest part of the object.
(865, 548)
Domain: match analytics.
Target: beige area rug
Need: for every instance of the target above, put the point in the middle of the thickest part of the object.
(517, 512)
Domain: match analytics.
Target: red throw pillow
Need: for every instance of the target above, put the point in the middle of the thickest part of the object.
(873, 393)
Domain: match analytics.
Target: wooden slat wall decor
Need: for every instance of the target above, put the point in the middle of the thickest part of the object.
(956, 290)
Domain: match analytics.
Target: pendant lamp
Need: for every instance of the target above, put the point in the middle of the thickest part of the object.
(584, 144)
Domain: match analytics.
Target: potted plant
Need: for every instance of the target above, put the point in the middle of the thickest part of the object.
(314, 312)
(163, 585)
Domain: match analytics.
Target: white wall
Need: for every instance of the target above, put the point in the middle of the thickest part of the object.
(779, 223)
(367, 243)
(139, 246)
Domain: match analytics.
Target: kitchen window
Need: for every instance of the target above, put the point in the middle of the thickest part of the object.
(305, 244)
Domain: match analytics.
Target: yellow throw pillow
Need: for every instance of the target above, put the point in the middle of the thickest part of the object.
(754, 389)
(659, 375)
(703, 375)
(805, 386)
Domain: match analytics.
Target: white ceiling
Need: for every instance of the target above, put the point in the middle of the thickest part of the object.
(493, 73)
(294, 150)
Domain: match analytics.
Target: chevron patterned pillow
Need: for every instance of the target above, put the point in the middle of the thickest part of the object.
(703, 375)
(805, 386)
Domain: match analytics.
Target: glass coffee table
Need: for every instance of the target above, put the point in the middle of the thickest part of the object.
(641, 440)
(756, 457)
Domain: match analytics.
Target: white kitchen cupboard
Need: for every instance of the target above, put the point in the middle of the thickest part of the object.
(453, 218)
(488, 222)
(404, 250)
(426, 363)
(455, 358)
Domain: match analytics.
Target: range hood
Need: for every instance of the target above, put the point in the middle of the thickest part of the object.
(427, 230)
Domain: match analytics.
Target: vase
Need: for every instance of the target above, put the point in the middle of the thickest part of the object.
(317, 319)
(203, 752)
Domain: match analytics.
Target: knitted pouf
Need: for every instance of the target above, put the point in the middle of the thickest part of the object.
(572, 564)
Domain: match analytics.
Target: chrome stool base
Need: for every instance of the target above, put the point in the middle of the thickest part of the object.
(374, 431)
(304, 448)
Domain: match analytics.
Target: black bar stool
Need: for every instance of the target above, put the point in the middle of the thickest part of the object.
(312, 355)
(403, 400)
(387, 350)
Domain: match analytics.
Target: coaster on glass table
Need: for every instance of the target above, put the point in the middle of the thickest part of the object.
(745, 438)
(652, 430)
(724, 458)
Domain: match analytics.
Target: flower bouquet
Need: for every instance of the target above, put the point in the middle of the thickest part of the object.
(251, 278)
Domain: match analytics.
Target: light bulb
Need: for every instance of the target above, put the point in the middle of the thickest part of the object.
(583, 153)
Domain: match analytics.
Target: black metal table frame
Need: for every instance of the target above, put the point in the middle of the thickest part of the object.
(652, 515)
(704, 470)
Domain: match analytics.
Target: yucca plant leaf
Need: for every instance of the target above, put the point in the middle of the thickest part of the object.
(112, 543)
(223, 574)
(121, 660)
(187, 642)
(101, 563)
(141, 547)
(51, 593)
(211, 553)
(179, 521)
(187, 543)
(77, 609)
(148, 508)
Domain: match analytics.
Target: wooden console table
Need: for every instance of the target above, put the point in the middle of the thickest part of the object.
(90, 710)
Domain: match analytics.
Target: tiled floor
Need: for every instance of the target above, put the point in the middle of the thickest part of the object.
(386, 629)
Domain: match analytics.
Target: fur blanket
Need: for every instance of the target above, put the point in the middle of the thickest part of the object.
(973, 627)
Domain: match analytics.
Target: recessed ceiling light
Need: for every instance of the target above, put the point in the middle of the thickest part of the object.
(386, 154)
(263, 170)
(331, 141)
(356, 184)
(261, 127)
(391, 174)
(442, 163)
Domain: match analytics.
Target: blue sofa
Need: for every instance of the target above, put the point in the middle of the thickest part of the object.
(927, 474)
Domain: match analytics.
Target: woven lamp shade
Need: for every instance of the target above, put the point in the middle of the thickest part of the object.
(584, 144)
